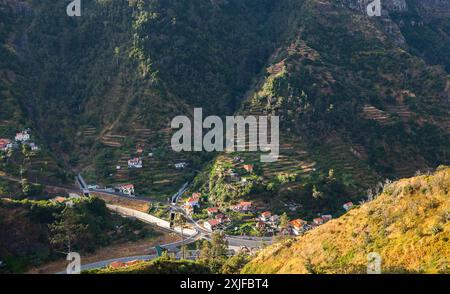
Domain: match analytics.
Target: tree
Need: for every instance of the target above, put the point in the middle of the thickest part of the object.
(284, 222)
(66, 232)
(214, 253)
(235, 264)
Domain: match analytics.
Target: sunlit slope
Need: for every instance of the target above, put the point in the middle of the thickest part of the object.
(408, 225)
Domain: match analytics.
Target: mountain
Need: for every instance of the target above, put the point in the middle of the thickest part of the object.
(408, 225)
(355, 101)
(360, 99)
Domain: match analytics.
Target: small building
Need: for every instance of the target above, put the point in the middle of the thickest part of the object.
(33, 146)
(298, 226)
(23, 136)
(181, 165)
(265, 216)
(327, 217)
(193, 202)
(348, 205)
(318, 221)
(249, 168)
(135, 163)
(222, 218)
(212, 224)
(59, 199)
(212, 211)
(274, 220)
(5, 144)
(243, 206)
(197, 195)
(127, 189)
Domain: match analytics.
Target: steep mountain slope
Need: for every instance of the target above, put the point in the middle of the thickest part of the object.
(354, 102)
(408, 224)
(353, 92)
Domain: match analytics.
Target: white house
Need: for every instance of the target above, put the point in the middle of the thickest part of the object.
(33, 146)
(180, 165)
(347, 206)
(265, 216)
(127, 189)
(135, 163)
(23, 136)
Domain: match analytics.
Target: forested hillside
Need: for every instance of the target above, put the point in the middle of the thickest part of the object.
(360, 99)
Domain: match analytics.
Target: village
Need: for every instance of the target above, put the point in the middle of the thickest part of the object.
(245, 218)
(22, 138)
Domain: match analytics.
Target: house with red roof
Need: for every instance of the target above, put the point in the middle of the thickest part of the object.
(243, 206)
(135, 163)
(222, 218)
(249, 168)
(348, 205)
(298, 226)
(265, 216)
(4, 144)
(212, 224)
(212, 211)
(318, 221)
(127, 189)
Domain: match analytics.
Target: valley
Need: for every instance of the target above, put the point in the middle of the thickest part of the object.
(362, 101)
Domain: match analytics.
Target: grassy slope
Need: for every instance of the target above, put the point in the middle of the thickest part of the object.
(408, 225)
(158, 266)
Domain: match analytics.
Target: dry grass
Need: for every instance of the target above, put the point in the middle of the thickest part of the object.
(408, 225)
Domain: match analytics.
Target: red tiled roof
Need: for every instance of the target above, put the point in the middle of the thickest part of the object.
(248, 167)
(266, 214)
(297, 223)
(127, 186)
(214, 222)
(192, 199)
(213, 209)
(318, 220)
(245, 203)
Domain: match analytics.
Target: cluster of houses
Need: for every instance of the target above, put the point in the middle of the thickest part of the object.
(233, 176)
(127, 189)
(299, 226)
(23, 137)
